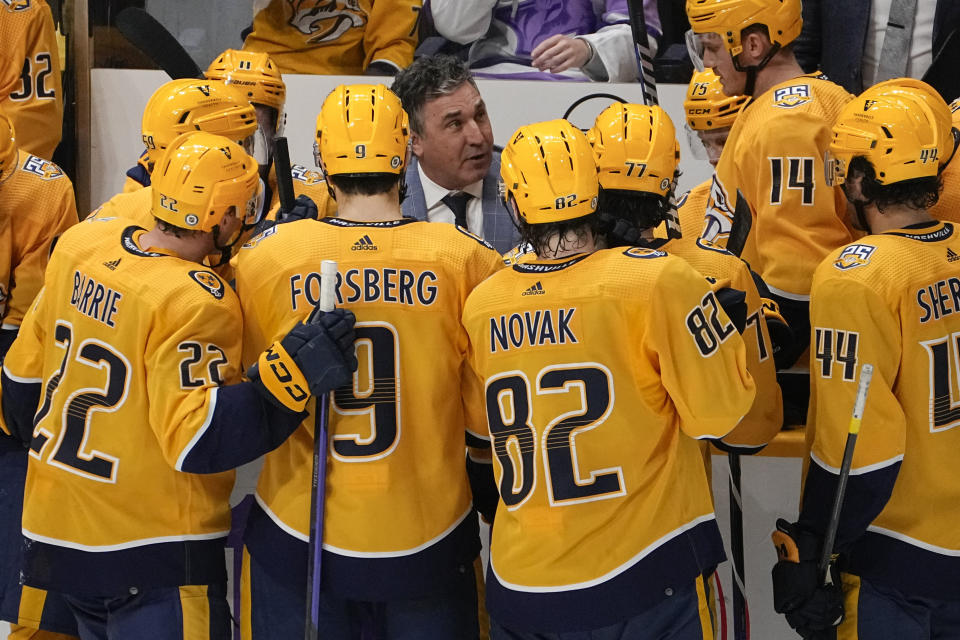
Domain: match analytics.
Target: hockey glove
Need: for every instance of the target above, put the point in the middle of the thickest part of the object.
(781, 335)
(314, 358)
(734, 303)
(303, 209)
(813, 609)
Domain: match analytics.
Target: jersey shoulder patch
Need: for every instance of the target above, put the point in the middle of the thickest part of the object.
(260, 237)
(40, 167)
(643, 252)
(792, 96)
(304, 175)
(854, 255)
(211, 283)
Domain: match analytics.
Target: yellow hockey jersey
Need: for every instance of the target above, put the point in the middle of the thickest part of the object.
(396, 483)
(774, 155)
(948, 207)
(692, 208)
(723, 270)
(891, 300)
(36, 206)
(131, 346)
(30, 91)
(599, 372)
(341, 37)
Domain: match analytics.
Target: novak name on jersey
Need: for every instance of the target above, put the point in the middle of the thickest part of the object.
(593, 370)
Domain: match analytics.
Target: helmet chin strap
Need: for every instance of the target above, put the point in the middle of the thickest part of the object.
(226, 251)
(752, 70)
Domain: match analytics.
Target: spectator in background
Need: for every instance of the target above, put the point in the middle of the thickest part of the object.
(30, 92)
(848, 40)
(546, 39)
(352, 37)
(455, 172)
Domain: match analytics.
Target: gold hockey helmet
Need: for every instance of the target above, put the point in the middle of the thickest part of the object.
(706, 106)
(200, 178)
(549, 171)
(362, 129)
(253, 73)
(728, 18)
(635, 148)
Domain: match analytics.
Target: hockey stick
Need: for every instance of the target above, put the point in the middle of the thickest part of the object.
(942, 73)
(281, 166)
(150, 37)
(866, 373)
(641, 40)
(739, 231)
(318, 489)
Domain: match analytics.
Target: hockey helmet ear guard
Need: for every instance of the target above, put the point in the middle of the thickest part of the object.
(900, 138)
(181, 106)
(728, 18)
(549, 171)
(362, 129)
(8, 145)
(200, 178)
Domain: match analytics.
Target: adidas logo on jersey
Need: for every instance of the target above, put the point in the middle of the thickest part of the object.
(535, 290)
(952, 256)
(112, 264)
(364, 244)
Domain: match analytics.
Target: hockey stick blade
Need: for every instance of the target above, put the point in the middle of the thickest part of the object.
(152, 38)
(740, 228)
(281, 166)
(942, 73)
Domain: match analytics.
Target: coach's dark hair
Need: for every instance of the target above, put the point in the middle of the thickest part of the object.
(365, 184)
(917, 193)
(428, 78)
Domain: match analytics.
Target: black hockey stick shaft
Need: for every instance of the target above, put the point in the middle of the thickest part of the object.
(942, 73)
(318, 489)
(152, 38)
(736, 550)
(281, 166)
(830, 536)
(644, 52)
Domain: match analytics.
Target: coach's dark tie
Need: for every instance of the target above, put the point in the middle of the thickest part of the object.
(457, 202)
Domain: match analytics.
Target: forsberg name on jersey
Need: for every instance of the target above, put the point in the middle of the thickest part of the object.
(399, 286)
(939, 299)
(93, 299)
(532, 328)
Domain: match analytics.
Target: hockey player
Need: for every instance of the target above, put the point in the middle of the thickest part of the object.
(257, 76)
(774, 155)
(400, 534)
(603, 528)
(948, 207)
(637, 156)
(350, 38)
(710, 113)
(124, 382)
(36, 206)
(889, 300)
(30, 91)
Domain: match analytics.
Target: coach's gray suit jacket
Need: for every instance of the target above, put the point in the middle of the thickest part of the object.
(498, 228)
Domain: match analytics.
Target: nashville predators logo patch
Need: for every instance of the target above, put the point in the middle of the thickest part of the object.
(325, 20)
(40, 167)
(792, 96)
(307, 176)
(642, 252)
(856, 255)
(209, 281)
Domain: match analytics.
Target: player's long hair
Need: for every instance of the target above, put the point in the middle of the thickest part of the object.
(552, 237)
(917, 193)
(625, 214)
